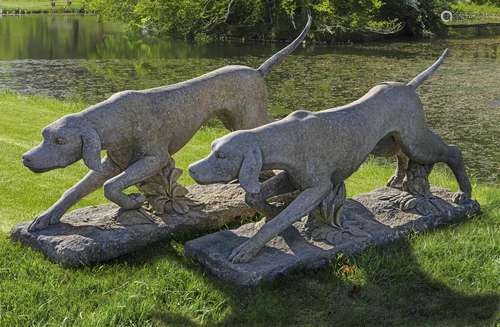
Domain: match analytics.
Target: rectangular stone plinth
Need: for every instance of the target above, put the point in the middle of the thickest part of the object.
(96, 234)
(374, 218)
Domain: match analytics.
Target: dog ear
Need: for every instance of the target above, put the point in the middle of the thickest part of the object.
(91, 149)
(250, 171)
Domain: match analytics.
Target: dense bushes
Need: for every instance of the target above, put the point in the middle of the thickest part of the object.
(418, 17)
(334, 19)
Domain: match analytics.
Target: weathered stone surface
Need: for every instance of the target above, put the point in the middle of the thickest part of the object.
(141, 130)
(317, 151)
(373, 218)
(104, 232)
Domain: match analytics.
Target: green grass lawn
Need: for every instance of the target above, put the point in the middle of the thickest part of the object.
(449, 277)
(40, 5)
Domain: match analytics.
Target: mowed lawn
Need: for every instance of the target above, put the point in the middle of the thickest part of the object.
(41, 5)
(449, 277)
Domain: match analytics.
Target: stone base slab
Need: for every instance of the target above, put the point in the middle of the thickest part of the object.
(96, 234)
(374, 218)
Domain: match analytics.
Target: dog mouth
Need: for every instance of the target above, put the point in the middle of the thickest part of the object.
(199, 179)
(37, 169)
(215, 181)
(204, 180)
(195, 174)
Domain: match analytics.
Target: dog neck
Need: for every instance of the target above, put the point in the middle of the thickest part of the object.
(110, 130)
(273, 153)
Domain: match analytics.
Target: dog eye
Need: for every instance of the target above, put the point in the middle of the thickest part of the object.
(59, 140)
(219, 155)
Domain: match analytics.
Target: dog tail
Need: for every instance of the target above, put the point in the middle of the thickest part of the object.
(283, 53)
(423, 76)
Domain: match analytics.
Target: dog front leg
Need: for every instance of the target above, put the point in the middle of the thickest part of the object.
(135, 173)
(305, 202)
(88, 184)
(276, 185)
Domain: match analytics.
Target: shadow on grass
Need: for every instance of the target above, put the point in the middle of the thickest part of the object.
(387, 288)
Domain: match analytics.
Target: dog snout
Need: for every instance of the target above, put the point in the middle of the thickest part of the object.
(27, 159)
(31, 160)
(198, 173)
(192, 171)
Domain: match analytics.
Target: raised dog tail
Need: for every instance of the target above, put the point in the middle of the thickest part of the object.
(283, 53)
(423, 76)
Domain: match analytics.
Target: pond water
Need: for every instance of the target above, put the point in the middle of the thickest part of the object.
(74, 57)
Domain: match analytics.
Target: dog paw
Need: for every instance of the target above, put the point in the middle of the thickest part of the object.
(135, 201)
(244, 252)
(460, 198)
(44, 220)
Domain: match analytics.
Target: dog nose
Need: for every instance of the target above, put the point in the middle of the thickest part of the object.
(26, 159)
(193, 172)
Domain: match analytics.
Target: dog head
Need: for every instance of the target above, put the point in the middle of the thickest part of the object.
(62, 145)
(234, 156)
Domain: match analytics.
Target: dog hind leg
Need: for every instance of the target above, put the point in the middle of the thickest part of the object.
(396, 181)
(387, 147)
(428, 148)
(250, 113)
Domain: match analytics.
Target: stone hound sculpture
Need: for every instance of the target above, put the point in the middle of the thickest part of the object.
(141, 130)
(318, 150)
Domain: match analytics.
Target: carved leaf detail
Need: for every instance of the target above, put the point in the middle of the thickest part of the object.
(152, 188)
(179, 191)
(174, 176)
(180, 207)
(165, 195)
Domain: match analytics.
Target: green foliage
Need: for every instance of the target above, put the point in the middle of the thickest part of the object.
(479, 12)
(273, 18)
(418, 17)
(477, 9)
(483, 2)
(120, 9)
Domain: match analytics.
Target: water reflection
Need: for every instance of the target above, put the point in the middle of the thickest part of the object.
(80, 57)
(50, 37)
(86, 37)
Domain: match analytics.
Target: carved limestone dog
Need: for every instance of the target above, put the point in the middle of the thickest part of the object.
(142, 129)
(318, 150)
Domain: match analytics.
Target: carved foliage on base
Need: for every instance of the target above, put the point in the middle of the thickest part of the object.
(416, 196)
(329, 210)
(318, 231)
(416, 181)
(325, 223)
(164, 195)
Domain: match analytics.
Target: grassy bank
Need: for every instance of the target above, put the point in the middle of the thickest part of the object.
(39, 6)
(471, 13)
(445, 278)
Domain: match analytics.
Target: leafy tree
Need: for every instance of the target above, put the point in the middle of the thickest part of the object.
(333, 19)
(418, 17)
